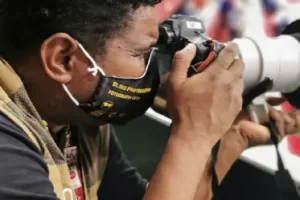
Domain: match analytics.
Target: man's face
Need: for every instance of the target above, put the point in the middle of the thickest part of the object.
(124, 54)
(65, 63)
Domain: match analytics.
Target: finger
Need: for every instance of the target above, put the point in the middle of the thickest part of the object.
(275, 101)
(256, 134)
(181, 62)
(164, 78)
(239, 88)
(296, 116)
(289, 124)
(237, 68)
(279, 120)
(225, 58)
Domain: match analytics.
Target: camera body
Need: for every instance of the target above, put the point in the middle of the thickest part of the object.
(178, 31)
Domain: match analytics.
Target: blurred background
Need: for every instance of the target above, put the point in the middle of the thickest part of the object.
(144, 139)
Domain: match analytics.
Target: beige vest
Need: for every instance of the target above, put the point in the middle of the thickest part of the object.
(93, 147)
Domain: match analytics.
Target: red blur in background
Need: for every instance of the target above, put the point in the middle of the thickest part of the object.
(166, 8)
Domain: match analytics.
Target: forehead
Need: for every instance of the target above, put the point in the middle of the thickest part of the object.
(144, 23)
(142, 30)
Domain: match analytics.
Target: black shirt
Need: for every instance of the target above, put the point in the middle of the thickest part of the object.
(24, 174)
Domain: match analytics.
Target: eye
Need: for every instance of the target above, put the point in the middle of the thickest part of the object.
(143, 56)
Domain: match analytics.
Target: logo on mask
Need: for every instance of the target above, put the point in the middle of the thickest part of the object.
(97, 113)
(104, 108)
(107, 105)
(112, 115)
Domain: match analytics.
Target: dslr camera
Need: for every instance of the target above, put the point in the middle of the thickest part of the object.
(178, 31)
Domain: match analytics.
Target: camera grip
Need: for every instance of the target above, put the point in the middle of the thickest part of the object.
(206, 52)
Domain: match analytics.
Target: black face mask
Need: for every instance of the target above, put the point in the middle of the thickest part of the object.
(119, 100)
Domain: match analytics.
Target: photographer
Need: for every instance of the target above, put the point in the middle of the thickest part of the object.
(69, 66)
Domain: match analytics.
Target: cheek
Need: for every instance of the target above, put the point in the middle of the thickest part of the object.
(83, 83)
(89, 87)
(124, 66)
(84, 87)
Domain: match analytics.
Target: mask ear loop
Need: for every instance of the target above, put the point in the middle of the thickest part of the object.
(95, 68)
(70, 95)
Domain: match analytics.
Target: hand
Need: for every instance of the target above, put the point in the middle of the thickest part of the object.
(286, 122)
(243, 134)
(255, 134)
(207, 102)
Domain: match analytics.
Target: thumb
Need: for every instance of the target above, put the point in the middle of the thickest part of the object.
(255, 133)
(181, 62)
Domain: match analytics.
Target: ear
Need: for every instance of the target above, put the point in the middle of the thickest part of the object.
(56, 53)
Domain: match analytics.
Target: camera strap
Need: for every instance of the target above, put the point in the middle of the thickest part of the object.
(286, 186)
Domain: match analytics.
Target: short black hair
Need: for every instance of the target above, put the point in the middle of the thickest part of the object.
(25, 24)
